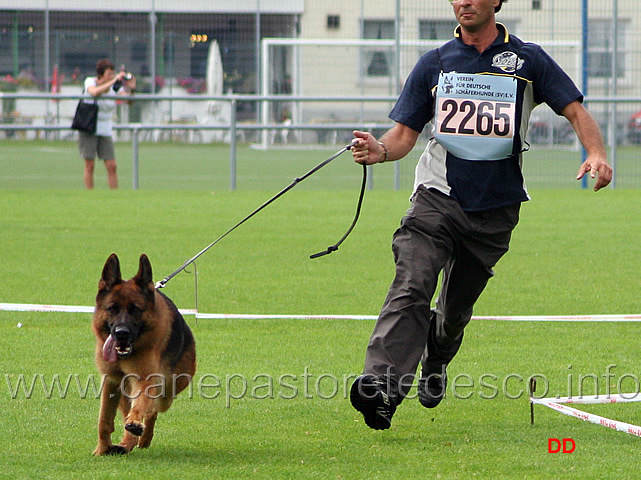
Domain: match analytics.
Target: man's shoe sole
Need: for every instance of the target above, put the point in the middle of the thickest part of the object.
(369, 398)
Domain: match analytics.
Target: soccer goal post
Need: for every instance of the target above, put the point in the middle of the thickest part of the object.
(341, 79)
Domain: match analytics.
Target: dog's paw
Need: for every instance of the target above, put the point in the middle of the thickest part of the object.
(117, 450)
(135, 428)
(112, 450)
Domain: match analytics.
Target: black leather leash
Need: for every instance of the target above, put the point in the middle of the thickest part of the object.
(333, 248)
(296, 181)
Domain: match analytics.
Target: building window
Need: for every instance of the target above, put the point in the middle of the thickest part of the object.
(333, 22)
(378, 62)
(536, 4)
(139, 51)
(600, 48)
(436, 29)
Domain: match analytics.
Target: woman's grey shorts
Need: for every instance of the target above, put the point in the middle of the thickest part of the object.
(91, 145)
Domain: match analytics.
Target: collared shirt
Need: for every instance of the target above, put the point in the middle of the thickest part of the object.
(478, 184)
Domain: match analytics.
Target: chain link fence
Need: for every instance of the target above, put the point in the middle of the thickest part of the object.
(280, 52)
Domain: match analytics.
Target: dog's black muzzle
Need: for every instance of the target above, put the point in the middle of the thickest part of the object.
(124, 337)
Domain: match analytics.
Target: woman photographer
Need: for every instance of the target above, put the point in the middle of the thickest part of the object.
(104, 88)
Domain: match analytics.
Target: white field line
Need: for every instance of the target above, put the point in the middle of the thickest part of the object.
(30, 307)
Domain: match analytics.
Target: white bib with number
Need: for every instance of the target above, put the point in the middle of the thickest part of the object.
(475, 115)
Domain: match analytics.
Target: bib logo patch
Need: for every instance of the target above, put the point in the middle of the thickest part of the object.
(448, 83)
(509, 62)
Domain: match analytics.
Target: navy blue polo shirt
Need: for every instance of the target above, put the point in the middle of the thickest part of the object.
(479, 184)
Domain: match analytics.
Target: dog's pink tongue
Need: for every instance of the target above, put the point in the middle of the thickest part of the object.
(109, 350)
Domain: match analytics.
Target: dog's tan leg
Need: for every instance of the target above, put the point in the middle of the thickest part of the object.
(142, 406)
(108, 407)
(148, 434)
(128, 441)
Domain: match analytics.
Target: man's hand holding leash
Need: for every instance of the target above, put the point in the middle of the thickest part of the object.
(368, 150)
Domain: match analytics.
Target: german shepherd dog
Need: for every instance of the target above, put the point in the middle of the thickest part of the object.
(145, 351)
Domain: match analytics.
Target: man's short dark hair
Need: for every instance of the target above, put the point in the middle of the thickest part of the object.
(103, 65)
(496, 9)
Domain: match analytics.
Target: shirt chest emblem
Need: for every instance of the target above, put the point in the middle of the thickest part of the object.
(509, 62)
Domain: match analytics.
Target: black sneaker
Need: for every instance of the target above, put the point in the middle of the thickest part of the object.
(369, 397)
(431, 389)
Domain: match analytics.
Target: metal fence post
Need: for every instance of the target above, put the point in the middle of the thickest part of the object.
(584, 71)
(232, 146)
(397, 176)
(614, 131)
(134, 168)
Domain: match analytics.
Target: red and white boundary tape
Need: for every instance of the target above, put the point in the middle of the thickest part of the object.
(565, 318)
(597, 399)
(29, 307)
(557, 405)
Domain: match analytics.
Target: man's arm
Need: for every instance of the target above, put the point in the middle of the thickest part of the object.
(398, 141)
(589, 135)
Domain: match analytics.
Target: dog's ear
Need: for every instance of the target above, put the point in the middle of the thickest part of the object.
(110, 273)
(144, 277)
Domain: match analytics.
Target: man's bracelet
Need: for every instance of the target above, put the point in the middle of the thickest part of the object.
(386, 152)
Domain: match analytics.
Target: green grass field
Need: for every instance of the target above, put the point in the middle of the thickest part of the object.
(270, 396)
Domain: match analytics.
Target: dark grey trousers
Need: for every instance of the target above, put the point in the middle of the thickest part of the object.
(435, 235)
